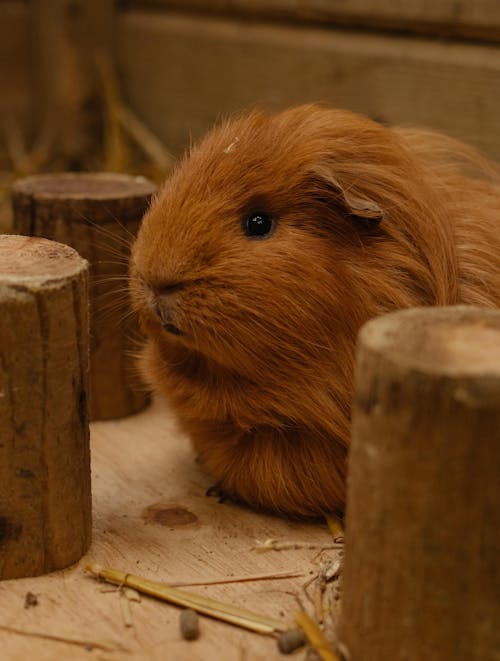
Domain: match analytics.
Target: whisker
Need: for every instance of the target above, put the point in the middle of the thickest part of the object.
(105, 315)
(123, 291)
(119, 262)
(119, 298)
(109, 278)
(111, 309)
(110, 234)
(116, 219)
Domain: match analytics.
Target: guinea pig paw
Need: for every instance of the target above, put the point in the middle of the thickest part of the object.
(216, 491)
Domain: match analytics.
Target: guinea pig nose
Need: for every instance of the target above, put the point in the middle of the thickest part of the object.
(164, 307)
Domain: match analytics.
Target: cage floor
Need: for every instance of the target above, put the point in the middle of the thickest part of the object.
(152, 518)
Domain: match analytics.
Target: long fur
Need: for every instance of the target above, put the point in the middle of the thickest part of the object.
(261, 378)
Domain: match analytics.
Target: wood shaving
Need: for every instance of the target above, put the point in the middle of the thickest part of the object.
(126, 611)
(132, 595)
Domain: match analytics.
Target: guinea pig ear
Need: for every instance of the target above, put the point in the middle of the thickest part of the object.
(359, 207)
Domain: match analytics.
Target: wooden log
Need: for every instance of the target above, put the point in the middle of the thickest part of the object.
(422, 577)
(98, 215)
(45, 501)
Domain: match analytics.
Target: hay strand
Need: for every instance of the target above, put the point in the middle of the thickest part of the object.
(211, 607)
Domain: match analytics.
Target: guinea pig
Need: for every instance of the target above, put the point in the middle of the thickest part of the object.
(272, 242)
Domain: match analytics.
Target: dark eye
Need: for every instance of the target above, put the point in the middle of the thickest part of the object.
(259, 224)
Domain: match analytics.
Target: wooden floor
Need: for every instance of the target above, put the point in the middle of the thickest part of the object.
(152, 518)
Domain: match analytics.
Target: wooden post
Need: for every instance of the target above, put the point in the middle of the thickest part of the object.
(98, 215)
(422, 571)
(45, 502)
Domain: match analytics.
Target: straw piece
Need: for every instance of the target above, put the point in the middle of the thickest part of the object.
(277, 545)
(88, 644)
(126, 611)
(315, 636)
(144, 137)
(331, 569)
(334, 525)
(240, 579)
(132, 595)
(319, 590)
(211, 607)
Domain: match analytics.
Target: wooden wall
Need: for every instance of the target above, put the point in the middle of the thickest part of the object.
(387, 58)
(185, 63)
(183, 71)
(16, 79)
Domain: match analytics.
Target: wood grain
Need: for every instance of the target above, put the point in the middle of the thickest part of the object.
(141, 464)
(425, 455)
(45, 503)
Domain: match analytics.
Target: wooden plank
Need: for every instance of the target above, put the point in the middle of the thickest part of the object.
(477, 19)
(16, 80)
(181, 74)
(141, 467)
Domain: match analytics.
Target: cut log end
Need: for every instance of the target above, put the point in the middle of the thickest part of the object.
(460, 340)
(36, 261)
(84, 186)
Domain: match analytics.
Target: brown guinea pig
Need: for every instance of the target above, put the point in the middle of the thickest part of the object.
(273, 241)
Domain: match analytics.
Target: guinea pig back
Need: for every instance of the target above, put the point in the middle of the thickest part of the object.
(272, 242)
